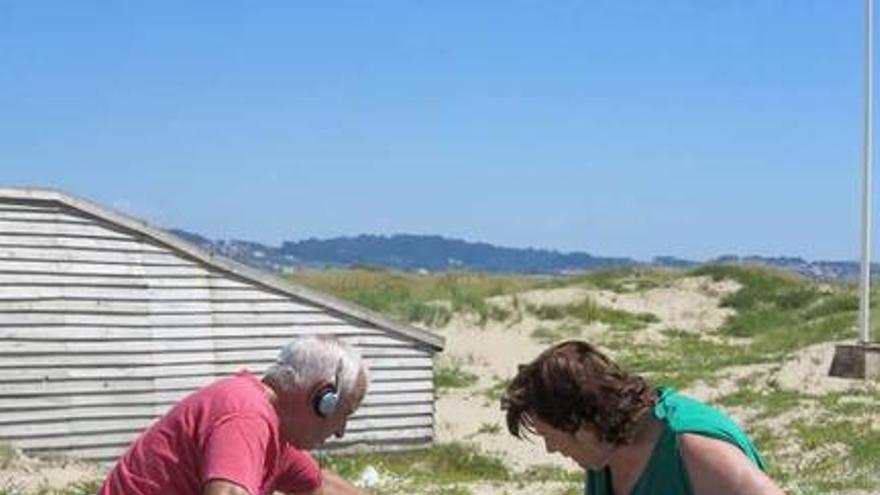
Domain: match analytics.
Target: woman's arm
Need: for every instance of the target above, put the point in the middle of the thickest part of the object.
(717, 467)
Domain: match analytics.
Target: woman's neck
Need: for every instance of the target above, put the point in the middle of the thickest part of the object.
(630, 460)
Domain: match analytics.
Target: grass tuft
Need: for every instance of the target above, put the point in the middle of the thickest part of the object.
(589, 312)
(446, 377)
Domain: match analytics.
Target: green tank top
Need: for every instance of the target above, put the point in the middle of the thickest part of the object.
(666, 471)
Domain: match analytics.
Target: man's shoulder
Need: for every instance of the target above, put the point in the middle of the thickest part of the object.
(243, 383)
(242, 392)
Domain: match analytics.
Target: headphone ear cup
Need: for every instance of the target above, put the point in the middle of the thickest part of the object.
(325, 402)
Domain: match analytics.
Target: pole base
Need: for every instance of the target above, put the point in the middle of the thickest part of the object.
(860, 361)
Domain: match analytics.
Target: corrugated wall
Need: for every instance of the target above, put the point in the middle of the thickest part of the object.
(102, 330)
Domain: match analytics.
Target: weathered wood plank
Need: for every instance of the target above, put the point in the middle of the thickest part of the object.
(126, 435)
(387, 434)
(66, 255)
(118, 411)
(96, 427)
(145, 306)
(378, 410)
(7, 205)
(61, 229)
(152, 411)
(95, 332)
(153, 320)
(28, 211)
(68, 402)
(360, 337)
(66, 442)
(34, 283)
(131, 245)
(62, 430)
(63, 216)
(51, 388)
(70, 375)
(134, 386)
(208, 280)
(28, 348)
(139, 269)
(127, 288)
(8, 361)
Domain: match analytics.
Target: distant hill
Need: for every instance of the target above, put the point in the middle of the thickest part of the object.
(406, 252)
(435, 253)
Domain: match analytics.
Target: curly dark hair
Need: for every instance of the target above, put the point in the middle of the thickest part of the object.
(571, 385)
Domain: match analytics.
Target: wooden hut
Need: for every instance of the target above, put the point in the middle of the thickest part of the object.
(106, 321)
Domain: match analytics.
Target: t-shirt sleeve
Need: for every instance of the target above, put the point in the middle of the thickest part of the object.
(235, 451)
(301, 473)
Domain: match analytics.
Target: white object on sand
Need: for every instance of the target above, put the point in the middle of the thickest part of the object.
(369, 477)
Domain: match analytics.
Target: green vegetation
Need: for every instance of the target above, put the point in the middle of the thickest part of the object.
(682, 358)
(623, 280)
(776, 314)
(574, 489)
(563, 331)
(856, 468)
(77, 488)
(493, 394)
(446, 377)
(781, 312)
(11, 486)
(7, 454)
(770, 402)
(442, 469)
(489, 429)
(89, 487)
(440, 466)
(414, 298)
(431, 315)
(588, 312)
(553, 473)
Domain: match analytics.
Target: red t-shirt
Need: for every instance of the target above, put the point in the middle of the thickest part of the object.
(225, 431)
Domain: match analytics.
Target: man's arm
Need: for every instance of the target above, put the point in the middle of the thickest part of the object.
(222, 487)
(718, 467)
(333, 484)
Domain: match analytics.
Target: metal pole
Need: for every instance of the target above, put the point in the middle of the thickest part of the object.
(865, 296)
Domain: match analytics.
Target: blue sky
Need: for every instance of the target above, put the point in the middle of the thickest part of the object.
(685, 128)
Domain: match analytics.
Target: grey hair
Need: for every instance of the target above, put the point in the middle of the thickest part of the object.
(309, 360)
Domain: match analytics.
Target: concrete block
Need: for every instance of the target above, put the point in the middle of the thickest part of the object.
(856, 361)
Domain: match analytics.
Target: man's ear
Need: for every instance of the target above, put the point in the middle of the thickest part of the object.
(323, 399)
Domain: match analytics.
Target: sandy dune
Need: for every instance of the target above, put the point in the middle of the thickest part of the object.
(494, 351)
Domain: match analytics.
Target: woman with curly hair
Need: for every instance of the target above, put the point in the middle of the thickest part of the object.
(631, 438)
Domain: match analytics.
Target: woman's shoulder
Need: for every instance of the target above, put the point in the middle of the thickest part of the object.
(685, 414)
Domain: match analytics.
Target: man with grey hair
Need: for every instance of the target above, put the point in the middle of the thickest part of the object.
(246, 436)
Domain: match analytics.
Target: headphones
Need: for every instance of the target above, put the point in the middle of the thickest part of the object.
(327, 398)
